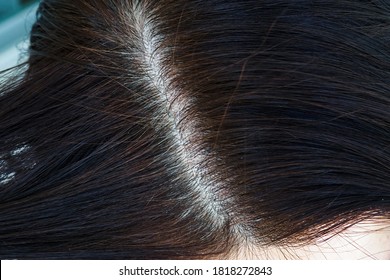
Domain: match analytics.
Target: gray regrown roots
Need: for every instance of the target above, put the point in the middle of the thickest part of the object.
(194, 129)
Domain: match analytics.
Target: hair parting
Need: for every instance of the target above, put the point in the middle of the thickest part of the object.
(174, 129)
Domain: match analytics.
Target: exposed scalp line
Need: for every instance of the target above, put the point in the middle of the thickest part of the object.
(173, 104)
(200, 166)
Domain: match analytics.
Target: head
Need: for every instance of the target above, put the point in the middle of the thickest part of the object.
(196, 129)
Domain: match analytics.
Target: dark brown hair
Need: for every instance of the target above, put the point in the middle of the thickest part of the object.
(188, 129)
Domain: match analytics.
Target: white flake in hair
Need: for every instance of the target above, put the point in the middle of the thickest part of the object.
(7, 177)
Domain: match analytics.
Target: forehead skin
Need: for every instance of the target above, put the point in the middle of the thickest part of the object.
(365, 240)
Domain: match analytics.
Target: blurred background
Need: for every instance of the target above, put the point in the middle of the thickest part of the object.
(16, 20)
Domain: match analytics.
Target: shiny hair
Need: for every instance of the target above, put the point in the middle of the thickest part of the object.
(175, 129)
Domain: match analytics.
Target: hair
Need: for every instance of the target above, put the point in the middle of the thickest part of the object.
(175, 129)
